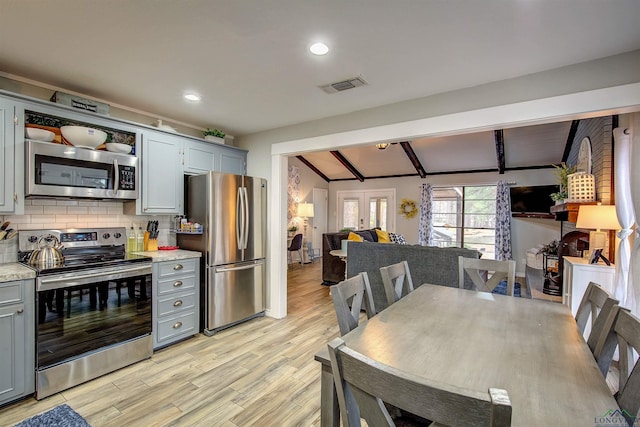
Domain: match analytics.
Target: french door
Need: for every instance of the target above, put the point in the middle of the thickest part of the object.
(360, 210)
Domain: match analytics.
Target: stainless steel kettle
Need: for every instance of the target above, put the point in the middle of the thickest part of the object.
(48, 253)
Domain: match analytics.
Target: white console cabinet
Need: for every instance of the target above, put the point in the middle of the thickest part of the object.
(577, 273)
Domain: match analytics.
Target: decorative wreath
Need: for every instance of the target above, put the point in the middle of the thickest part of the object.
(408, 208)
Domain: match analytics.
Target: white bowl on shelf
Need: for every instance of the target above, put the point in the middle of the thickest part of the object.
(39, 134)
(83, 137)
(117, 147)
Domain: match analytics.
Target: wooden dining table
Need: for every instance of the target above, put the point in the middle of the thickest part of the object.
(477, 340)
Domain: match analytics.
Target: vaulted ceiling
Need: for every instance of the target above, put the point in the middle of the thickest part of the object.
(529, 147)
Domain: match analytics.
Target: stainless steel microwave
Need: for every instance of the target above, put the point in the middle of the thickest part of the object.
(56, 170)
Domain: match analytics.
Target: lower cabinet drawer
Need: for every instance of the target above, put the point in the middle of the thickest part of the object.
(177, 284)
(176, 303)
(11, 292)
(174, 326)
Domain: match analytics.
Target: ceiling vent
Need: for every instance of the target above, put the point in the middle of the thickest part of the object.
(344, 85)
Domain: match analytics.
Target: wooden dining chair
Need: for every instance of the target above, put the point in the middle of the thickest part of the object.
(397, 281)
(348, 298)
(598, 305)
(475, 268)
(625, 335)
(364, 386)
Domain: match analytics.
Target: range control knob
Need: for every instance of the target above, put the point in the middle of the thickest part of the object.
(32, 239)
(106, 235)
(117, 235)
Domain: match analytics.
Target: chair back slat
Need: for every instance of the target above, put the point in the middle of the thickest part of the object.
(349, 297)
(397, 281)
(501, 270)
(598, 305)
(625, 335)
(363, 384)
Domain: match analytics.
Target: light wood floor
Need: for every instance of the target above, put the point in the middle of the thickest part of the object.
(259, 373)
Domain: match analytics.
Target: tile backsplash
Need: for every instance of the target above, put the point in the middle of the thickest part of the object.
(53, 214)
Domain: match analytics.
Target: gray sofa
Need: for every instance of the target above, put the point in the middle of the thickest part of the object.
(427, 264)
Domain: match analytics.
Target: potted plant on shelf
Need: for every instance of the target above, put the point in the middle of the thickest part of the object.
(562, 173)
(214, 135)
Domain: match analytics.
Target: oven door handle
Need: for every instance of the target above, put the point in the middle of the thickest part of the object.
(57, 282)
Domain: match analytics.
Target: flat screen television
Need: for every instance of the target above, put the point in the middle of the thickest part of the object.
(532, 200)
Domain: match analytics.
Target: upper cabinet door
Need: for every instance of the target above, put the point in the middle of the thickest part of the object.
(233, 161)
(162, 178)
(199, 157)
(7, 157)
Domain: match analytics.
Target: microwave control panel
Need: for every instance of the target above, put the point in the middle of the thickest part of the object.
(127, 177)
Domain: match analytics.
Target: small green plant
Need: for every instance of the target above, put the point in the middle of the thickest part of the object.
(214, 132)
(292, 229)
(562, 173)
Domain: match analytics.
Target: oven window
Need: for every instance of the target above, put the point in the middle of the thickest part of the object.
(81, 319)
(73, 173)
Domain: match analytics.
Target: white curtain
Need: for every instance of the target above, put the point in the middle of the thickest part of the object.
(503, 222)
(622, 287)
(425, 230)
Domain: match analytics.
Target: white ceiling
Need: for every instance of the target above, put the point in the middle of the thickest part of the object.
(249, 59)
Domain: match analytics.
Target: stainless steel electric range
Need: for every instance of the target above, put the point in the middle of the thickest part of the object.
(94, 308)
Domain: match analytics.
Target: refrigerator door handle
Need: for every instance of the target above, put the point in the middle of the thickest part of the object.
(239, 220)
(245, 217)
(240, 267)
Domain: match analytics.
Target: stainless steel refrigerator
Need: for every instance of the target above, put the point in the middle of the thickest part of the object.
(232, 211)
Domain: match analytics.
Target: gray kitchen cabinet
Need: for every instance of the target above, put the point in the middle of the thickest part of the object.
(232, 161)
(202, 157)
(199, 157)
(162, 178)
(7, 156)
(17, 339)
(176, 300)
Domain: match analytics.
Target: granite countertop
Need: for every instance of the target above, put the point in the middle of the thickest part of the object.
(15, 271)
(159, 256)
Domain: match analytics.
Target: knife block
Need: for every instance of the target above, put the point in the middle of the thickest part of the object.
(152, 245)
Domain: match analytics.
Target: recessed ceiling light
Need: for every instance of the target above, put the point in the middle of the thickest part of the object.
(193, 97)
(319, 48)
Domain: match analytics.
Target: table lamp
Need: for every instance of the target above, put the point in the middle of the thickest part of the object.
(305, 211)
(598, 218)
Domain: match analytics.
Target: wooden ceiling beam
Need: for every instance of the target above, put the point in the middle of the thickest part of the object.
(313, 168)
(498, 135)
(347, 164)
(572, 134)
(413, 158)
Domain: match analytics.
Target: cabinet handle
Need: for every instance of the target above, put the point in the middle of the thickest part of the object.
(177, 325)
(178, 267)
(177, 303)
(177, 284)
(20, 311)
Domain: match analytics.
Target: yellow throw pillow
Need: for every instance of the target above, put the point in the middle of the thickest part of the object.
(383, 236)
(354, 237)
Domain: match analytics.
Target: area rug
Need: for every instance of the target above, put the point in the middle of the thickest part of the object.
(501, 289)
(60, 416)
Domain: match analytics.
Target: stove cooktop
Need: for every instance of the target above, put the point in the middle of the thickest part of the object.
(83, 249)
